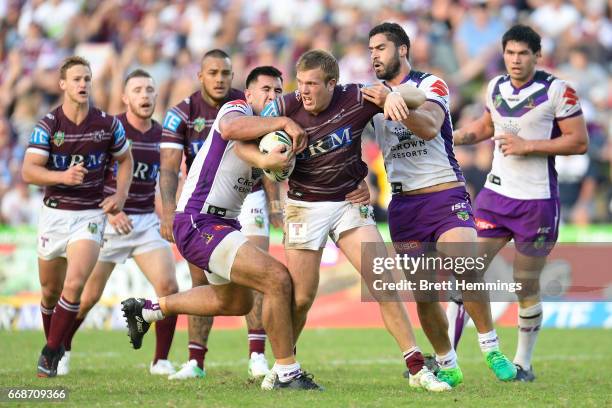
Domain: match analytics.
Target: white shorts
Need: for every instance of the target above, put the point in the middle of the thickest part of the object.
(59, 228)
(222, 258)
(307, 224)
(254, 215)
(145, 237)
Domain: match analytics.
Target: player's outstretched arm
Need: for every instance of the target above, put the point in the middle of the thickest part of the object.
(377, 94)
(574, 140)
(237, 126)
(475, 132)
(170, 163)
(114, 204)
(34, 171)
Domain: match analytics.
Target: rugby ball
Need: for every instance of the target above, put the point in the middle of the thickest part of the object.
(268, 143)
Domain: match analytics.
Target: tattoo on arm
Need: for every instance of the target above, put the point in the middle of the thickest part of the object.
(466, 139)
(168, 184)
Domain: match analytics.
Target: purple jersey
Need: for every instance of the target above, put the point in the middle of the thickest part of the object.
(67, 144)
(187, 124)
(331, 165)
(145, 151)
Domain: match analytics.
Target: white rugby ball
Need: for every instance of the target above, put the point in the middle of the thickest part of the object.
(268, 143)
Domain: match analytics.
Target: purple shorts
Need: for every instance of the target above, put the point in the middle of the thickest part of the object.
(197, 235)
(533, 224)
(424, 217)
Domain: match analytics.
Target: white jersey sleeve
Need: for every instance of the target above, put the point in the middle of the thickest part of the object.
(564, 99)
(411, 162)
(436, 91)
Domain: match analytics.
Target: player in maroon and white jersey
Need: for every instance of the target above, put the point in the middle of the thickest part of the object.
(318, 206)
(134, 232)
(68, 152)
(185, 128)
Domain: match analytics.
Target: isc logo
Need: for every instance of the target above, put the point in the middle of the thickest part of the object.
(458, 206)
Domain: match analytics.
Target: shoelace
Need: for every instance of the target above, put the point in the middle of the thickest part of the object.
(497, 359)
(445, 375)
(307, 377)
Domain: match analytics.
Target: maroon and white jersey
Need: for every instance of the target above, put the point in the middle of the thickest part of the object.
(66, 144)
(331, 165)
(145, 151)
(187, 124)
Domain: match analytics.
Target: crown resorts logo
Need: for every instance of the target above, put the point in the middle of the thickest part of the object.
(199, 124)
(58, 138)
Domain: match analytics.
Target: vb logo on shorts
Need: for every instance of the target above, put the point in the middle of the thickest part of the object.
(92, 227)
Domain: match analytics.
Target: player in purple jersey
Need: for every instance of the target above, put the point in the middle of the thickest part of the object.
(134, 232)
(532, 116)
(430, 204)
(207, 233)
(68, 153)
(318, 206)
(185, 129)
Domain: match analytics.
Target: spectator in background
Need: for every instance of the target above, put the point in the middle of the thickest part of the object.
(581, 73)
(203, 25)
(553, 18)
(355, 66)
(20, 205)
(453, 39)
(11, 155)
(477, 40)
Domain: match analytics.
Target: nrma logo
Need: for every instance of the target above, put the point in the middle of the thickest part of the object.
(340, 138)
(91, 160)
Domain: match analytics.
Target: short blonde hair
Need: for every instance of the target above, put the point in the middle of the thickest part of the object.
(71, 62)
(319, 59)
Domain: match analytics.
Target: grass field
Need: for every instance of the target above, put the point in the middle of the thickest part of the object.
(359, 368)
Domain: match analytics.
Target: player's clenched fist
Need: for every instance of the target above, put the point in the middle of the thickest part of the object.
(297, 134)
(74, 175)
(395, 107)
(167, 219)
(113, 203)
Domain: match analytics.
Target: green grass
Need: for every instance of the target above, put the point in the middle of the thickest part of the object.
(359, 368)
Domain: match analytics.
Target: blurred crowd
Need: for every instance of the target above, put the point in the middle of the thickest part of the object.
(457, 40)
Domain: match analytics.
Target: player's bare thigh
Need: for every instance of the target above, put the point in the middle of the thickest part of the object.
(51, 274)
(94, 287)
(256, 269)
(158, 267)
(350, 243)
(304, 266)
(81, 257)
(198, 277)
